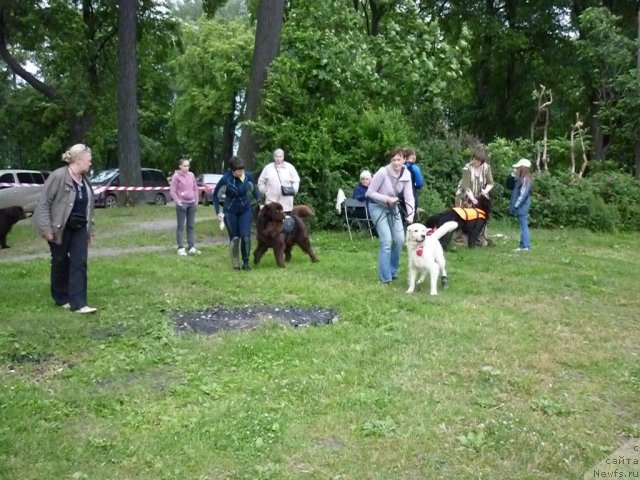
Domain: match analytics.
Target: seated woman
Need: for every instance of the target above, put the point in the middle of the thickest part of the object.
(361, 189)
(359, 193)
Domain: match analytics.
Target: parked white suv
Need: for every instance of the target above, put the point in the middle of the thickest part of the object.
(23, 190)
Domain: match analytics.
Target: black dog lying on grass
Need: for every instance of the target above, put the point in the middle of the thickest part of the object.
(8, 218)
(471, 220)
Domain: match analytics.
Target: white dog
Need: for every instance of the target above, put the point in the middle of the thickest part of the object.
(426, 254)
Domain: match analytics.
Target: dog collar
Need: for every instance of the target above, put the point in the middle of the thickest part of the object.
(419, 252)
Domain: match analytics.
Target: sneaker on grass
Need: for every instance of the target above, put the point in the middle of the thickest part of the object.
(86, 309)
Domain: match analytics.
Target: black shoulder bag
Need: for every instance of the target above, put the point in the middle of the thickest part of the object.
(287, 190)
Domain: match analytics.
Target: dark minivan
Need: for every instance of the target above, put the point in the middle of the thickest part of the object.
(156, 187)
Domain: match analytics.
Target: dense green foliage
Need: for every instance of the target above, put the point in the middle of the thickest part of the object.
(352, 80)
(210, 76)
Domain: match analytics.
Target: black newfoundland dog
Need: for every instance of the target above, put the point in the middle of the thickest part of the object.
(8, 218)
(471, 220)
(280, 233)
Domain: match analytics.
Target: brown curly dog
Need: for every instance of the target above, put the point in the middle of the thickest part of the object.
(270, 226)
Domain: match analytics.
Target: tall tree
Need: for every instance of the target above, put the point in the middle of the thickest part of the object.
(606, 55)
(636, 143)
(71, 87)
(210, 79)
(128, 137)
(61, 61)
(267, 45)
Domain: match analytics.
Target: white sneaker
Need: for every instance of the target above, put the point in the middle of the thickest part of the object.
(86, 309)
(193, 251)
(66, 306)
(182, 252)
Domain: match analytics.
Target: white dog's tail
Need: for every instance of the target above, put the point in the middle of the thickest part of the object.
(444, 229)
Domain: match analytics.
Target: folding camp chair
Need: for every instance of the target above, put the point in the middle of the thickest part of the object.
(357, 215)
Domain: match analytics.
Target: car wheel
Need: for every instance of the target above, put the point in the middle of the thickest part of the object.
(111, 201)
(160, 200)
(205, 199)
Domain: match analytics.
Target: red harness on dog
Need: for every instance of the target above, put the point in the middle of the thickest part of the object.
(420, 249)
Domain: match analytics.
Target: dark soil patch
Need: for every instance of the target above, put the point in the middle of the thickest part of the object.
(208, 322)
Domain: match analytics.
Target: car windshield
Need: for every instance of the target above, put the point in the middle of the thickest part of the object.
(103, 177)
(211, 178)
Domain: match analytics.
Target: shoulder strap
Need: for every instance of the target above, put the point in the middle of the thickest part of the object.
(278, 173)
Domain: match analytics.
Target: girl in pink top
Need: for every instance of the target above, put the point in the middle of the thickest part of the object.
(184, 191)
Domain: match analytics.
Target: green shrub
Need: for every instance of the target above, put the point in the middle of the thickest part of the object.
(548, 205)
(603, 202)
(431, 203)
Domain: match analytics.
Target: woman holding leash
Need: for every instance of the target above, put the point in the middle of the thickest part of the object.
(387, 185)
(64, 217)
(238, 215)
(476, 179)
(521, 200)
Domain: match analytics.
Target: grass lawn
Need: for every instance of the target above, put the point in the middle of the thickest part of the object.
(526, 367)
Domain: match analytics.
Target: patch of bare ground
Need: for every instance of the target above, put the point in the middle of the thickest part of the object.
(217, 318)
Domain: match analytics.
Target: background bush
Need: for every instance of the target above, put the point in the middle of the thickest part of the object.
(334, 154)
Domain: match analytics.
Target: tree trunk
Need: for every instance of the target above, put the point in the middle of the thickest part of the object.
(228, 133)
(128, 140)
(267, 44)
(597, 149)
(636, 145)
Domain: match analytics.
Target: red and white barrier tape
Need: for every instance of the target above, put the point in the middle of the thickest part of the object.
(97, 190)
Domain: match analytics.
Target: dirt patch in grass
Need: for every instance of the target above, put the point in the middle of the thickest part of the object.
(208, 322)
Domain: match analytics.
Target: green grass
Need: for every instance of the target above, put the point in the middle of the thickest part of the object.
(525, 368)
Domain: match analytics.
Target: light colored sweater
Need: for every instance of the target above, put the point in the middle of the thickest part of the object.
(271, 179)
(386, 185)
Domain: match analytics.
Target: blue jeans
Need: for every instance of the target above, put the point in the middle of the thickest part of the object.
(391, 234)
(185, 214)
(525, 241)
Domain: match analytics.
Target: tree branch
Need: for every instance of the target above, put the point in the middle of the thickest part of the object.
(18, 69)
